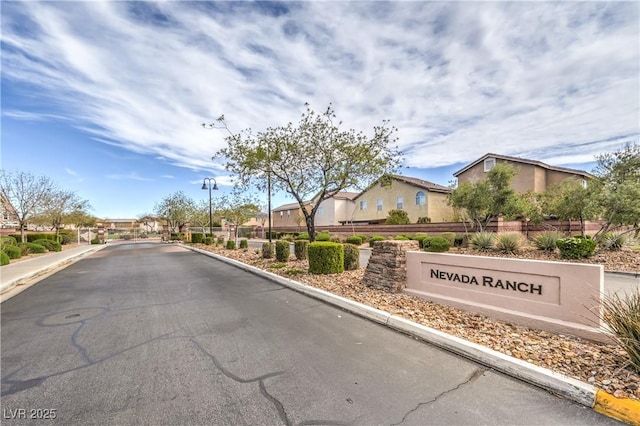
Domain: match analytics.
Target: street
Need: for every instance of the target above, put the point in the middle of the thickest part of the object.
(154, 334)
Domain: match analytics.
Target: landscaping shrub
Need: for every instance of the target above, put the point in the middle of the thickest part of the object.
(363, 237)
(303, 236)
(458, 241)
(197, 238)
(547, 241)
(449, 236)
(49, 245)
(424, 219)
(294, 271)
(268, 250)
(66, 236)
(401, 238)
(32, 248)
(613, 241)
(397, 217)
(508, 242)
(220, 241)
(282, 251)
(14, 252)
(436, 244)
(576, 247)
(9, 241)
(326, 257)
(355, 240)
(483, 241)
(323, 236)
(32, 237)
(300, 248)
(4, 259)
(287, 237)
(208, 240)
(277, 265)
(127, 237)
(244, 243)
(95, 240)
(424, 241)
(231, 244)
(351, 257)
(375, 238)
(622, 317)
(177, 236)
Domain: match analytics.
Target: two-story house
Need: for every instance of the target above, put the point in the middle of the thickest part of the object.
(531, 175)
(419, 198)
(336, 210)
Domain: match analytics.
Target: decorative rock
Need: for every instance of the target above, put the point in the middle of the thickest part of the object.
(387, 268)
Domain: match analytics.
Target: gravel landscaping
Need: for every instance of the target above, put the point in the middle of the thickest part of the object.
(604, 366)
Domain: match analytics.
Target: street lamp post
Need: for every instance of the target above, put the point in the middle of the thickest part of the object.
(215, 187)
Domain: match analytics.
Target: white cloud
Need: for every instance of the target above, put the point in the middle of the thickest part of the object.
(128, 176)
(547, 81)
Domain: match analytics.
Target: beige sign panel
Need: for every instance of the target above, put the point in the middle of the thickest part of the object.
(555, 296)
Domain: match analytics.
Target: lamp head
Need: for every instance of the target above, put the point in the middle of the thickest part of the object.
(204, 185)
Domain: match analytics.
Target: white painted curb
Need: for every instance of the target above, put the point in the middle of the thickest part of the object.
(560, 384)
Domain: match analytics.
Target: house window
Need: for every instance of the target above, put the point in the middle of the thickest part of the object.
(281, 215)
(320, 211)
(584, 183)
(421, 199)
(400, 203)
(379, 205)
(363, 205)
(489, 163)
(288, 213)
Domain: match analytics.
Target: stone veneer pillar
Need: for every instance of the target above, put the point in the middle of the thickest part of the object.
(387, 268)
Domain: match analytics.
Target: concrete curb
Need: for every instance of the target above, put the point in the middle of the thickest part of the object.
(7, 286)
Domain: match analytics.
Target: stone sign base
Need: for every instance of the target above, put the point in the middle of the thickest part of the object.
(555, 296)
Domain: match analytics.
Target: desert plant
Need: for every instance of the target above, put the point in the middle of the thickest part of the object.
(508, 243)
(622, 317)
(355, 240)
(458, 241)
(548, 240)
(208, 240)
(576, 247)
(231, 245)
(326, 258)
(244, 243)
(220, 241)
(351, 257)
(14, 252)
(4, 258)
(483, 241)
(282, 250)
(277, 265)
(268, 250)
(49, 245)
(197, 238)
(375, 238)
(303, 236)
(294, 271)
(449, 236)
(300, 249)
(436, 244)
(9, 241)
(323, 236)
(613, 241)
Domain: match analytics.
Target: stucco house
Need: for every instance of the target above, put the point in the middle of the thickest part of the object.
(532, 175)
(419, 198)
(336, 210)
(289, 215)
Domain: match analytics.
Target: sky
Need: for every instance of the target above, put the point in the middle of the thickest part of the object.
(108, 98)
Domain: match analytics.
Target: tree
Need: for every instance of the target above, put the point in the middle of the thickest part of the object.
(200, 215)
(486, 200)
(569, 200)
(313, 160)
(176, 209)
(397, 217)
(58, 208)
(147, 220)
(617, 188)
(238, 209)
(26, 193)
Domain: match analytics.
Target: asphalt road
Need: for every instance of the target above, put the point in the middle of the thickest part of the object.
(155, 334)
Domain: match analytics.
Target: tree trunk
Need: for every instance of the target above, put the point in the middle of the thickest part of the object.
(311, 228)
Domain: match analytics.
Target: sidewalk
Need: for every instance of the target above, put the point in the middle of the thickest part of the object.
(13, 274)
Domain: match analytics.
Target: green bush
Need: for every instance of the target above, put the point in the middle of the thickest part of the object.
(294, 271)
(483, 241)
(268, 250)
(287, 237)
(277, 265)
(363, 237)
(283, 251)
(9, 241)
(300, 248)
(458, 241)
(401, 238)
(326, 258)
(547, 240)
(231, 244)
(622, 317)
(323, 236)
(613, 241)
(32, 248)
(509, 242)
(424, 219)
(95, 240)
(303, 236)
(436, 244)
(375, 238)
(197, 238)
(397, 217)
(49, 245)
(32, 237)
(220, 241)
(355, 240)
(177, 236)
(14, 252)
(208, 240)
(576, 247)
(449, 236)
(66, 236)
(127, 237)
(244, 243)
(351, 257)
(4, 259)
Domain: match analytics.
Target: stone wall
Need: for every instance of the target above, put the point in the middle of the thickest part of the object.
(387, 268)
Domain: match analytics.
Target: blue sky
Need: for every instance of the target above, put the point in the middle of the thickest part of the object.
(108, 98)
